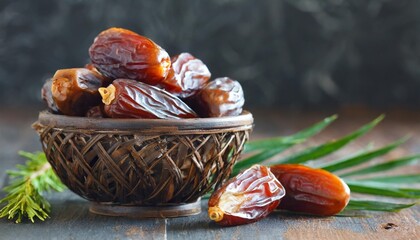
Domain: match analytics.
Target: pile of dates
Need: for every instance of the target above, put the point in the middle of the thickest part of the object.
(259, 190)
(130, 76)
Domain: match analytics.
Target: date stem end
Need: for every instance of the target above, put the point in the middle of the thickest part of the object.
(215, 214)
(108, 94)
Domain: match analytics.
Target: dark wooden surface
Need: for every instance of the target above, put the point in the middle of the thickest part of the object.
(70, 218)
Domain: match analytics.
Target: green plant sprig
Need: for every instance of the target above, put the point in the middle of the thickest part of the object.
(24, 198)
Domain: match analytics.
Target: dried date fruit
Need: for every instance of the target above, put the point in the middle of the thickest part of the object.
(186, 76)
(47, 96)
(131, 99)
(105, 80)
(220, 97)
(75, 90)
(91, 67)
(312, 191)
(246, 198)
(120, 53)
(95, 112)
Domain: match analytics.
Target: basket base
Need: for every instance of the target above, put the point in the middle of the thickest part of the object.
(180, 210)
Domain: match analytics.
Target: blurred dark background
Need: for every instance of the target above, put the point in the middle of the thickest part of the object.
(299, 54)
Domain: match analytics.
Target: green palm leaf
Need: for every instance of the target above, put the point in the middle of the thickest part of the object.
(273, 146)
(382, 189)
(329, 147)
(404, 179)
(257, 158)
(298, 137)
(361, 158)
(379, 186)
(365, 205)
(384, 166)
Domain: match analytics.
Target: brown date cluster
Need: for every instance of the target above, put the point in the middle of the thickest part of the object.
(259, 190)
(130, 76)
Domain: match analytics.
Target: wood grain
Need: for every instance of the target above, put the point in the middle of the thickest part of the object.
(71, 219)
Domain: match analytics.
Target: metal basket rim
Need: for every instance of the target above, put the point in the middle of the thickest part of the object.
(245, 120)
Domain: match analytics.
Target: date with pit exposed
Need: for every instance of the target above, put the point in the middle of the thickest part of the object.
(246, 198)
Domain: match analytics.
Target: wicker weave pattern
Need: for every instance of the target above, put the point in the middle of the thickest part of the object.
(141, 169)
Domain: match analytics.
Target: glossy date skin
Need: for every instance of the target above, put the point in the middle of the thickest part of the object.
(220, 97)
(186, 76)
(131, 99)
(91, 67)
(120, 53)
(106, 81)
(46, 95)
(312, 191)
(246, 198)
(75, 90)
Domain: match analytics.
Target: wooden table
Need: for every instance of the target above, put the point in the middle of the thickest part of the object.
(70, 218)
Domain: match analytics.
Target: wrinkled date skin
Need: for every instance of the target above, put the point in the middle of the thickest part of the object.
(220, 97)
(105, 80)
(186, 76)
(95, 112)
(46, 95)
(131, 99)
(312, 191)
(120, 53)
(246, 198)
(75, 90)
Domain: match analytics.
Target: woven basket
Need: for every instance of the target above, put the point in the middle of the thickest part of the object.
(155, 166)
